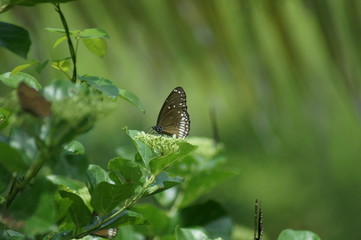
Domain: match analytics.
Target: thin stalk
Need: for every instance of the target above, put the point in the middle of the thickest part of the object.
(70, 43)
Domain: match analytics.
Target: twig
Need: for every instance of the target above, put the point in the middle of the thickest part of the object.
(70, 43)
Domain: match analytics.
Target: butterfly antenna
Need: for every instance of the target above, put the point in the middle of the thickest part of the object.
(214, 125)
(258, 221)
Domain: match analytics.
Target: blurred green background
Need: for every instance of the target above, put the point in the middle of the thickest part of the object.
(282, 76)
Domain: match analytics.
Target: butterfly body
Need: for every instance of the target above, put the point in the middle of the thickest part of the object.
(173, 118)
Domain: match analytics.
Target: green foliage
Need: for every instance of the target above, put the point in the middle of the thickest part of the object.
(289, 234)
(45, 166)
(13, 80)
(14, 38)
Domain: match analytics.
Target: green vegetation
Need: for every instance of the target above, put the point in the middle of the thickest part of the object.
(282, 78)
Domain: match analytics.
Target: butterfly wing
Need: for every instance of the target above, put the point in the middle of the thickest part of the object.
(32, 102)
(173, 117)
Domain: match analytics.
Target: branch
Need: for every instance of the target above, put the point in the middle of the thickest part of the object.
(70, 43)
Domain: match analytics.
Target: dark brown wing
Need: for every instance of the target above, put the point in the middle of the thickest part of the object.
(32, 102)
(173, 117)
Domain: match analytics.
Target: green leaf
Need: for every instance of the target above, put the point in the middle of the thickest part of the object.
(125, 218)
(159, 164)
(216, 222)
(130, 97)
(59, 40)
(4, 117)
(59, 89)
(163, 182)
(64, 205)
(70, 165)
(22, 67)
(106, 196)
(24, 143)
(290, 234)
(93, 33)
(102, 84)
(5, 178)
(65, 181)
(14, 38)
(75, 147)
(96, 46)
(144, 151)
(202, 182)
(97, 175)
(159, 221)
(13, 80)
(11, 159)
(40, 217)
(40, 66)
(200, 214)
(79, 212)
(62, 30)
(62, 64)
(190, 234)
(124, 171)
(11, 235)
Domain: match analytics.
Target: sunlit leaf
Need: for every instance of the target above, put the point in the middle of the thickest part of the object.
(102, 84)
(65, 181)
(163, 182)
(93, 33)
(22, 67)
(159, 164)
(290, 234)
(190, 234)
(125, 218)
(75, 147)
(78, 211)
(144, 151)
(59, 40)
(96, 46)
(130, 97)
(97, 175)
(62, 30)
(62, 65)
(14, 38)
(13, 80)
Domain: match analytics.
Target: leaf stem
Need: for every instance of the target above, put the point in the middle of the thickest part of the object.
(70, 43)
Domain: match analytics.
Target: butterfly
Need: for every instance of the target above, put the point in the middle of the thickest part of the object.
(258, 221)
(32, 102)
(109, 233)
(173, 118)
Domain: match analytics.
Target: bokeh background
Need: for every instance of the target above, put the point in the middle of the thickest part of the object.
(283, 78)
